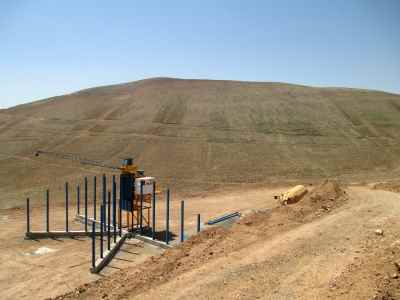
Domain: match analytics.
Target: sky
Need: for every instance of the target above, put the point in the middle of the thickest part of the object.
(50, 48)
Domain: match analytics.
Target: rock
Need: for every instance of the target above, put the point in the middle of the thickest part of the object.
(395, 275)
(379, 232)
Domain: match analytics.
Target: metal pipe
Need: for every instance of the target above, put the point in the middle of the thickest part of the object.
(114, 209)
(182, 231)
(93, 244)
(101, 229)
(167, 220)
(104, 198)
(66, 208)
(78, 198)
(28, 227)
(141, 207)
(120, 212)
(94, 196)
(153, 213)
(86, 200)
(47, 210)
(198, 223)
(109, 221)
(132, 211)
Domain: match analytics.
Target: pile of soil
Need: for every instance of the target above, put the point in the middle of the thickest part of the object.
(392, 186)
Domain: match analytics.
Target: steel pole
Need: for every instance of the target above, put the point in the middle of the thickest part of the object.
(101, 229)
(114, 209)
(141, 207)
(86, 199)
(153, 213)
(104, 197)
(47, 210)
(93, 244)
(198, 223)
(78, 198)
(182, 231)
(94, 196)
(66, 208)
(167, 220)
(109, 221)
(28, 227)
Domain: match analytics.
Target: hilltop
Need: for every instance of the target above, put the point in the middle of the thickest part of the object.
(204, 132)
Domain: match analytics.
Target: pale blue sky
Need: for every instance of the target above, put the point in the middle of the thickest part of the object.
(50, 48)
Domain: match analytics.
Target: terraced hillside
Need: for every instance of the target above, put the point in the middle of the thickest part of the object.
(201, 131)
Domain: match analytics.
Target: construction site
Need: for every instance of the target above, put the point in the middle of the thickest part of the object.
(152, 189)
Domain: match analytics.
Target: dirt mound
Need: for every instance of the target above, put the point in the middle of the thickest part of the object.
(392, 186)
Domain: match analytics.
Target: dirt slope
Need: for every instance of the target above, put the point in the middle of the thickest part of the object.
(302, 251)
(202, 132)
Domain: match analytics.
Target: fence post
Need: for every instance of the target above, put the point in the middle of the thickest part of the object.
(93, 244)
(28, 227)
(120, 215)
(141, 207)
(167, 220)
(114, 209)
(101, 229)
(47, 210)
(66, 207)
(94, 197)
(109, 221)
(78, 198)
(153, 213)
(86, 199)
(198, 223)
(182, 231)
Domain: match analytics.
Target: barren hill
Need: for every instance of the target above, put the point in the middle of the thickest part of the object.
(204, 131)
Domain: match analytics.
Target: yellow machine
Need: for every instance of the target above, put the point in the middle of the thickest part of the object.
(136, 190)
(293, 195)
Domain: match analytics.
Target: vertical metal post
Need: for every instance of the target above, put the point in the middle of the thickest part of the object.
(93, 244)
(133, 202)
(78, 198)
(101, 229)
(28, 227)
(114, 209)
(66, 208)
(104, 197)
(120, 215)
(198, 223)
(153, 213)
(86, 199)
(141, 207)
(182, 231)
(167, 220)
(47, 210)
(94, 196)
(109, 221)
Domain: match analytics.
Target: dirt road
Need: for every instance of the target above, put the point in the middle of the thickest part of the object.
(335, 255)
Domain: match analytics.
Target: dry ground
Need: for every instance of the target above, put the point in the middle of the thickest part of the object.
(322, 247)
(25, 275)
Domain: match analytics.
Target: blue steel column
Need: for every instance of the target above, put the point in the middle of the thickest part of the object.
(47, 210)
(109, 221)
(93, 244)
(78, 198)
(114, 209)
(28, 227)
(182, 231)
(101, 229)
(94, 196)
(167, 220)
(66, 208)
(141, 207)
(198, 223)
(104, 197)
(153, 213)
(86, 199)
(120, 211)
